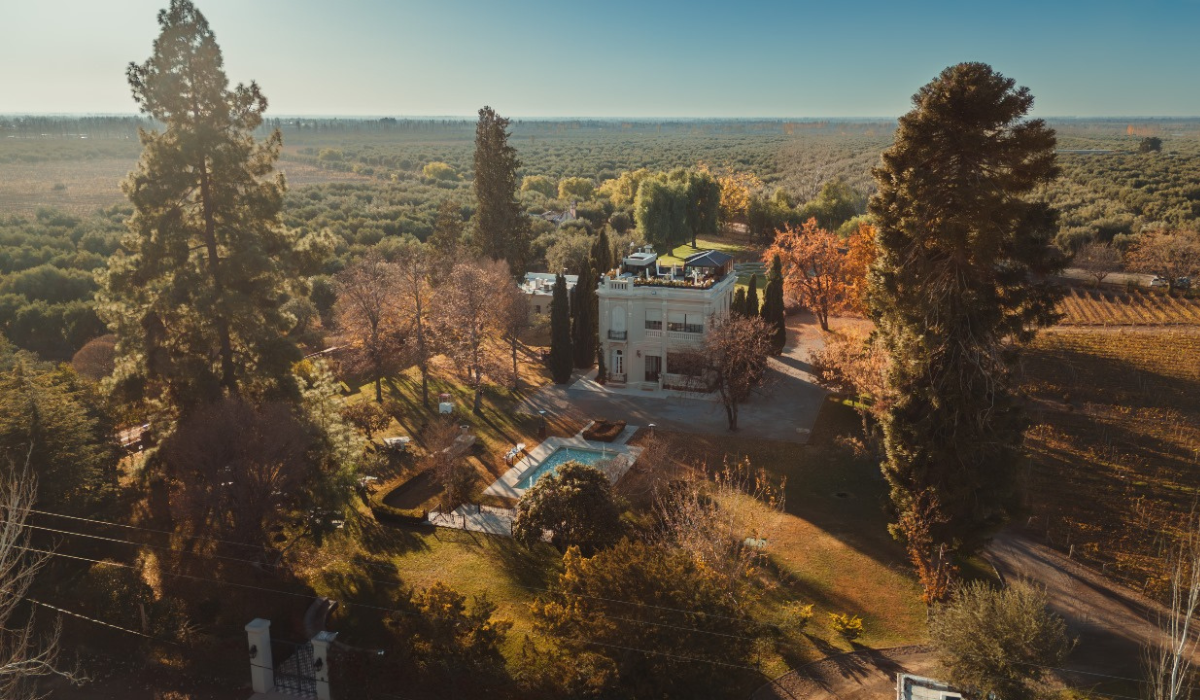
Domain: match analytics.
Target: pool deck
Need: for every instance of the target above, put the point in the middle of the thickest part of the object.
(506, 485)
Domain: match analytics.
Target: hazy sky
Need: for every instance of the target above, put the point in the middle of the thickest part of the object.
(620, 58)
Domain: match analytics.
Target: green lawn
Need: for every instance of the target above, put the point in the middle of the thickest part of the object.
(830, 547)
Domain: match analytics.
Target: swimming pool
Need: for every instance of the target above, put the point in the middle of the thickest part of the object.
(557, 458)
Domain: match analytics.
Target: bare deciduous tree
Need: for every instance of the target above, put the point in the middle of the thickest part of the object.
(515, 323)
(1170, 254)
(1169, 662)
(414, 265)
(25, 656)
(468, 312)
(446, 459)
(369, 319)
(1098, 259)
(717, 518)
(735, 354)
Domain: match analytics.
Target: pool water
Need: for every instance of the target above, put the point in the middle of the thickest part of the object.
(557, 458)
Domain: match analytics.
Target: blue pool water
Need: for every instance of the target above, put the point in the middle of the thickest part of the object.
(559, 457)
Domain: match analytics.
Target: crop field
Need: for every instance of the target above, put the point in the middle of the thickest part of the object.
(1117, 307)
(1114, 445)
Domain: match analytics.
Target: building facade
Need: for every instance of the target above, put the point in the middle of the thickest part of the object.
(653, 322)
(540, 288)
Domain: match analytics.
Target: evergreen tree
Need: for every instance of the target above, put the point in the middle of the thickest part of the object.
(962, 271)
(601, 365)
(772, 310)
(583, 318)
(739, 302)
(197, 299)
(752, 296)
(561, 354)
(602, 253)
(501, 227)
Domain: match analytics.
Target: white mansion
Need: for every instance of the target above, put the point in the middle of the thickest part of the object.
(652, 318)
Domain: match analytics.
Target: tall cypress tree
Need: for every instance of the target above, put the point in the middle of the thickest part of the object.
(772, 307)
(196, 300)
(739, 302)
(583, 318)
(962, 271)
(602, 253)
(561, 355)
(752, 296)
(501, 227)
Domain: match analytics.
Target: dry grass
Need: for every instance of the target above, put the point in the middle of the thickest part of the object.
(1114, 307)
(1115, 444)
(829, 547)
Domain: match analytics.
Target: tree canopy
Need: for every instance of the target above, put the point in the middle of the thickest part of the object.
(963, 263)
(197, 296)
(501, 227)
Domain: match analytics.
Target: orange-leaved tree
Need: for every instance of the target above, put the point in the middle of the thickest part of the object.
(823, 271)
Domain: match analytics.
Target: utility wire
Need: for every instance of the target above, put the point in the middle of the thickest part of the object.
(144, 529)
(398, 585)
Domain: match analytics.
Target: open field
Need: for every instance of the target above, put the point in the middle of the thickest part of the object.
(1114, 444)
(1083, 306)
(83, 186)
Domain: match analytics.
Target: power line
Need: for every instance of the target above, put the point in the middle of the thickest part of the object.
(137, 544)
(397, 585)
(144, 529)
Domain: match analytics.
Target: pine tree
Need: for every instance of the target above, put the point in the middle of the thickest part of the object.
(197, 298)
(583, 318)
(964, 256)
(752, 296)
(772, 310)
(561, 354)
(602, 253)
(739, 302)
(601, 365)
(501, 227)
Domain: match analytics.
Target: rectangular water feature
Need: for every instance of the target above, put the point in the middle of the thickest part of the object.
(559, 457)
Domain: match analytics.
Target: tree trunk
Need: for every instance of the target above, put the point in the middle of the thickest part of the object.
(516, 370)
(378, 388)
(214, 268)
(478, 409)
(423, 361)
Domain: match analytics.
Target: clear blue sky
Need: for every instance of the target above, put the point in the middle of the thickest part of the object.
(644, 58)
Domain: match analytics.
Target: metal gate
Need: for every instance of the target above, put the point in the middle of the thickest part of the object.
(294, 675)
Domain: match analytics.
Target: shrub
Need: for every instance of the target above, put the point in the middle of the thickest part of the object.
(439, 171)
(796, 616)
(849, 626)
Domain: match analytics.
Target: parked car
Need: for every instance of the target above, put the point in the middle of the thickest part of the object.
(1183, 282)
(1159, 282)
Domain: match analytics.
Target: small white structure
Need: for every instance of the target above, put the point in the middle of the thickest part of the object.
(399, 444)
(540, 288)
(910, 687)
(445, 406)
(653, 319)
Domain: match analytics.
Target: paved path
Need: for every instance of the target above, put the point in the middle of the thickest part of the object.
(486, 519)
(1113, 623)
(785, 411)
(863, 675)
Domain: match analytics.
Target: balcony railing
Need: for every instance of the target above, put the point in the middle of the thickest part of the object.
(618, 335)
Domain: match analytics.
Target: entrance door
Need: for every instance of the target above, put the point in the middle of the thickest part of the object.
(618, 363)
(653, 367)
